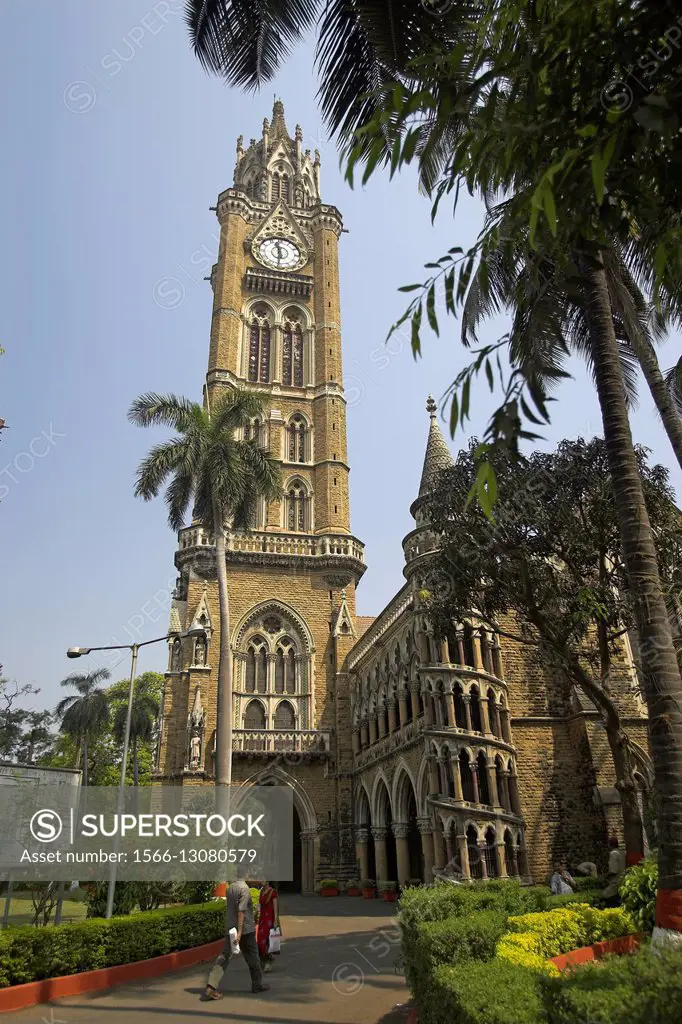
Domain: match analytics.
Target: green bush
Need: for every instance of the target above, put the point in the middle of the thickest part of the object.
(30, 954)
(645, 988)
(534, 938)
(443, 900)
(492, 992)
(125, 898)
(197, 892)
(457, 940)
(638, 893)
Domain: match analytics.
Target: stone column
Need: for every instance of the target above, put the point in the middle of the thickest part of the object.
(381, 721)
(464, 855)
(424, 826)
(445, 651)
(497, 658)
(402, 849)
(364, 733)
(372, 729)
(485, 717)
(467, 711)
(506, 729)
(414, 697)
(392, 718)
(402, 707)
(434, 781)
(450, 846)
(502, 860)
(380, 858)
(492, 785)
(443, 776)
(356, 742)
(270, 674)
(473, 768)
(515, 860)
(458, 779)
(450, 708)
(423, 648)
(498, 721)
(476, 644)
(484, 865)
(460, 650)
(522, 859)
(427, 697)
(437, 838)
(361, 853)
(514, 794)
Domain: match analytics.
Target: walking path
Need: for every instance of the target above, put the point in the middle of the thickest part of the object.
(337, 966)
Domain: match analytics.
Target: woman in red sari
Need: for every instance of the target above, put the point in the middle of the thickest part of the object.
(268, 917)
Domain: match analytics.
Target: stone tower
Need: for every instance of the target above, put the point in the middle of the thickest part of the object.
(276, 328)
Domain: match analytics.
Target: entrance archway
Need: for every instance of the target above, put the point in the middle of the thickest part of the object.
(296, 883)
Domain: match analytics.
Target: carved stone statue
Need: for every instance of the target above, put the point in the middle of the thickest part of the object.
(176, 656)
(195, 751)
(200, 651)
(195, 727)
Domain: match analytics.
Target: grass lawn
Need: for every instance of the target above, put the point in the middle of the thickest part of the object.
(21, 908)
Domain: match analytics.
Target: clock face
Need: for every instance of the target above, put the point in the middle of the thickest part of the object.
(279, 253)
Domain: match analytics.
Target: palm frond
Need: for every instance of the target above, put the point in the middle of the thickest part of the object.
(174, 411)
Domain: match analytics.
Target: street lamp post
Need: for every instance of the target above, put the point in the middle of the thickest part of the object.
(78, 652)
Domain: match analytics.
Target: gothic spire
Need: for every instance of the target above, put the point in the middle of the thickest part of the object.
(278, 128)
(437, 455)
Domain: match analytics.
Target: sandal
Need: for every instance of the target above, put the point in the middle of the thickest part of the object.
(212, 993)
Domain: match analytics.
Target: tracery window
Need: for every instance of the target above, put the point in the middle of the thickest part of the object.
(285, 667)
(256, 678)
(259, 346)
(285, 716)
(280, 187)
(292, 352)
(254, 717)
(297, 507)
(297, 439)
(253, 431)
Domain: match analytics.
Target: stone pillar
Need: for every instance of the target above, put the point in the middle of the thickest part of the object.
(364, 733)
(356, 741)
(484, 865)
(498, 721)
(423, 648)
(443, 776)
(434, 781)
(523, 862)
(515, 859)
(467, 711)
(361, 853)
(464, 855)
(427, 697)
(380, 858)
(473, 768)
(457, 777)
(427, 847)
(437, 837)
(402, 849)
(402, 707)
(460, 650)
(502, 860)
(445, 651)
(485, 717)
(506, 728)
(372, 729)
(476, 644)
(270, 676)
(492, 785)
(414, 697)
(381, 721)
(450, 846)
(514, 794)
(450, 708)
(497, 658)
(392, 718)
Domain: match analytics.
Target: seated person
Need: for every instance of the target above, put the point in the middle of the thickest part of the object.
(561, 882)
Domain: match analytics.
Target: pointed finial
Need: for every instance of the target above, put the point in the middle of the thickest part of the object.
(299, 133)
(431, 406)
(343, 594)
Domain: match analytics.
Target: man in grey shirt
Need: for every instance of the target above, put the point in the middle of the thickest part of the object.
(239, 915)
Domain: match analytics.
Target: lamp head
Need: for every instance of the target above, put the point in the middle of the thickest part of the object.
(195, 631)
(77, 652)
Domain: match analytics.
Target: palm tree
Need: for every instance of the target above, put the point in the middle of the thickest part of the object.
(85, 714)
(219, 478)
(145, 711)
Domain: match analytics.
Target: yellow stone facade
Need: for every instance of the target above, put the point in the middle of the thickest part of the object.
(404, 756)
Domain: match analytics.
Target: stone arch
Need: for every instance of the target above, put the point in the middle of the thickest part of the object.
(255, 714)
(285, 717)
(277, 608)
(382, 808)
(422, 788)
(297, 507)
(363, 813)
(402, 781)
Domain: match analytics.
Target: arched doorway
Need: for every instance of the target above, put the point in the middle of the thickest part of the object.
(384, 820)
(296, 883)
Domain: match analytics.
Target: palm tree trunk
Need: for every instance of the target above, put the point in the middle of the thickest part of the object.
(223, 759)
(85, 760)
(134, 760)
(671, 419)
(660, 672)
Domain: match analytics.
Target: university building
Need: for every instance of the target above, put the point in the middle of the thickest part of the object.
(403, 754)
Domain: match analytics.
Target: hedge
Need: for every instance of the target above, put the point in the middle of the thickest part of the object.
(31, 954)
(492, 992)
(534, 938)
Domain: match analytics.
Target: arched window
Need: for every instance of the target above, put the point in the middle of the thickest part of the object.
(256, 674)
(255, 715)
(502, 787)
(253, 431)
(493, 715)
(292, 352)
(285, 667)
(285, 716)
(259, 346)
(297, 439)
(297, 508)
(460, 712)
(491, 853)
(509, 858)
(468, 645)
(483, 788)
(280, 187)
(466, 777)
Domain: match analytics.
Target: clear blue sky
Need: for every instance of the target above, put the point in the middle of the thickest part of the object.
(116, 143)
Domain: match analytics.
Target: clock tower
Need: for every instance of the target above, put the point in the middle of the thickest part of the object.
(276, 328)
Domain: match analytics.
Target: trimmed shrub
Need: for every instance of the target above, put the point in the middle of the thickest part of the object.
(30, 954)
(645, 988)
(457, 940)
(493, 992)
(638, 893)
(443, 900)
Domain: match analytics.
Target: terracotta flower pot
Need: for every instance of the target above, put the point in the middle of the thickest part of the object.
(368, 894)
(389, 895)
(329, 892)
(353, 892)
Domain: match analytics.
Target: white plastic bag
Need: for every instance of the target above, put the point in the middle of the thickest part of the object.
(233, 942)
(274, 941)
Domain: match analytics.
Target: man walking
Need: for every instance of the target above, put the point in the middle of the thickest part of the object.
(239, 915)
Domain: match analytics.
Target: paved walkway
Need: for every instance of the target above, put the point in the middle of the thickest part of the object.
(337, 966)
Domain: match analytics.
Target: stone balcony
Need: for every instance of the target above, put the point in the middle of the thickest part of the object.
(309, 742)
(340, 556)
(390, 742)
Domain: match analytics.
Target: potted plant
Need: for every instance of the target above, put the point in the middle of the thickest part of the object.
(368, 888)
(388, 891)
(329, 887)
(353, 888)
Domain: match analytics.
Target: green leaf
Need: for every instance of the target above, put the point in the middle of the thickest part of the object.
(416, 325)
(431, 309)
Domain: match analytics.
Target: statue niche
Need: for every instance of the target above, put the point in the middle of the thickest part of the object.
(195, 730)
